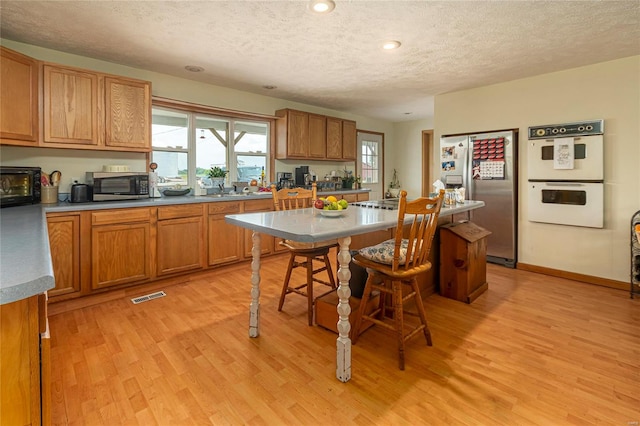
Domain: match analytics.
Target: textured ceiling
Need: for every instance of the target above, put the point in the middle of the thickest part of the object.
(335, 61)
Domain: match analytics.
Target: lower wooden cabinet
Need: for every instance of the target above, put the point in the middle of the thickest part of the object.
(224, 240)
(180, 239)
(120, 247)
(21, 398)
(64, 242)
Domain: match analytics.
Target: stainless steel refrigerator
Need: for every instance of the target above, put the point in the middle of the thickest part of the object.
(485, 164)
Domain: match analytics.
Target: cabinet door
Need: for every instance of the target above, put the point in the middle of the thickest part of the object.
(18, 98)
(127, 113)
(334, 138)
(317, 136)
(225, 240)
(351, 198)
(348, 140)
(120, 254)
(180, 245)
(20, 362)
(64, 242)
(297, 134)
(70, 106)
(363, 196)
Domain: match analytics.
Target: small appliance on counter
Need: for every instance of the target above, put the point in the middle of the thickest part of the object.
(301, 175)
(20, 185)
(112, 186)
(80, 193)
(285, 180)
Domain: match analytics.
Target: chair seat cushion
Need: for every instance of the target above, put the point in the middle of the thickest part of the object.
(302, 246)
(383, 252)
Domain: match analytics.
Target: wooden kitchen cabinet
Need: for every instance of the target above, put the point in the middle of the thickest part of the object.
(334, 138)
(64, 242)
(19, 83)
(224, 240)
(21, 398)
(127, 113)
(349, 137)
(121, 247)
(90, 110)
(317, 136)
(180, 239)
(266, 241)
(292, 130)
(70, 106)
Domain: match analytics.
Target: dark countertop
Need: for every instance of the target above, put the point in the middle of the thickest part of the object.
(25, 258)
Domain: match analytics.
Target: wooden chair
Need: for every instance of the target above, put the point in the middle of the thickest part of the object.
(295, 198)
(393, 266)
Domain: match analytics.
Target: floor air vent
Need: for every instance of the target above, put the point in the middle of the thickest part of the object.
(148, 297)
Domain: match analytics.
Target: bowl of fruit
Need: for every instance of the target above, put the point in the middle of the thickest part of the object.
(331, 206)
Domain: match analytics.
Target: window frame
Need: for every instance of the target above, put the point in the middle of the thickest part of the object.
(193, 110)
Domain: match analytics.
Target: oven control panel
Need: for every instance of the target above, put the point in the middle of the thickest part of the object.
(567, 130)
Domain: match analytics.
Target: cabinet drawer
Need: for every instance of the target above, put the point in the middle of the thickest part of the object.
(224, 208)
(120, 216)
(175, 212)
(258, 205)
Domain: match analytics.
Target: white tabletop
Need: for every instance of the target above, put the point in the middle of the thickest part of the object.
(308, 225)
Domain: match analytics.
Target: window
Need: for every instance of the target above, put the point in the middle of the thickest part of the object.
(370, 161)
(187, 144)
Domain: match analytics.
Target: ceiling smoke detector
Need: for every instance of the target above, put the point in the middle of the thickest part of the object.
(322, 6)
(194, 68)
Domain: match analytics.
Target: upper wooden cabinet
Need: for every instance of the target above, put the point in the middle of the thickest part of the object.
(19, 77)
(127, 113)
(334, 138)
(308, 136)
(292, 130)
(70, 106)
(92, 110)
(349, 140)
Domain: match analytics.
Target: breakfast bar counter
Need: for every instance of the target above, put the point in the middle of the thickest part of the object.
(309, 225)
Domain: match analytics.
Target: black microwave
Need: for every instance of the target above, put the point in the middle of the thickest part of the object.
(19, 185)
(111, 186)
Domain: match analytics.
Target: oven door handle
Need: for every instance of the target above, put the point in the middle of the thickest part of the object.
(564, 184)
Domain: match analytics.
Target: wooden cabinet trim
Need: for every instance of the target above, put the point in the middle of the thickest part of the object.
(106, 217)
(179, 211)
(224, 208)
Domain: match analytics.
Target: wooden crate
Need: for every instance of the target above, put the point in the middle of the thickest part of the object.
(463, 261)
(327, 314)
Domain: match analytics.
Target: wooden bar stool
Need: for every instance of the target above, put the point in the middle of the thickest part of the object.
(295, 198)
(393, 266)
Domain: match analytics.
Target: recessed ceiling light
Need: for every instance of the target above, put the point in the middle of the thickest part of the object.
(322, 6)
(391, 44)
(194, 68)
(269, 87)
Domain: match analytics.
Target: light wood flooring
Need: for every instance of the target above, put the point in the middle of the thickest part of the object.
(532, 350)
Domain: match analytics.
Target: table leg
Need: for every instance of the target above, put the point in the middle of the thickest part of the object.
(254, 308)
(343, 344)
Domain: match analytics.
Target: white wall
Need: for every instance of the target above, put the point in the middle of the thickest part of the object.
(609, 91)
(405, 155)
(71, 163)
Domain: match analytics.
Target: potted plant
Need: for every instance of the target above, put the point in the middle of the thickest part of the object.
(394, 186)
(217, 176)
(347, 182)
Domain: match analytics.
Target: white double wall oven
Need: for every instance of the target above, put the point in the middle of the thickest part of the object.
(566, 174)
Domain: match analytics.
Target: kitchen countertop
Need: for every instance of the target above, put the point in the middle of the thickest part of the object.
(25, 259)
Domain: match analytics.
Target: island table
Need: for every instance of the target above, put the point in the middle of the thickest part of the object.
(309, 225)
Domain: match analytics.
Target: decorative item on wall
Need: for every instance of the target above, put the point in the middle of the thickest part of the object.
(394, 186)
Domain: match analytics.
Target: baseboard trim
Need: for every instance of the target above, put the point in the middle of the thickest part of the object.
(589, 279)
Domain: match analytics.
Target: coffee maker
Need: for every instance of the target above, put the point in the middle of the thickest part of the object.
(285, 180)
(301, 175)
